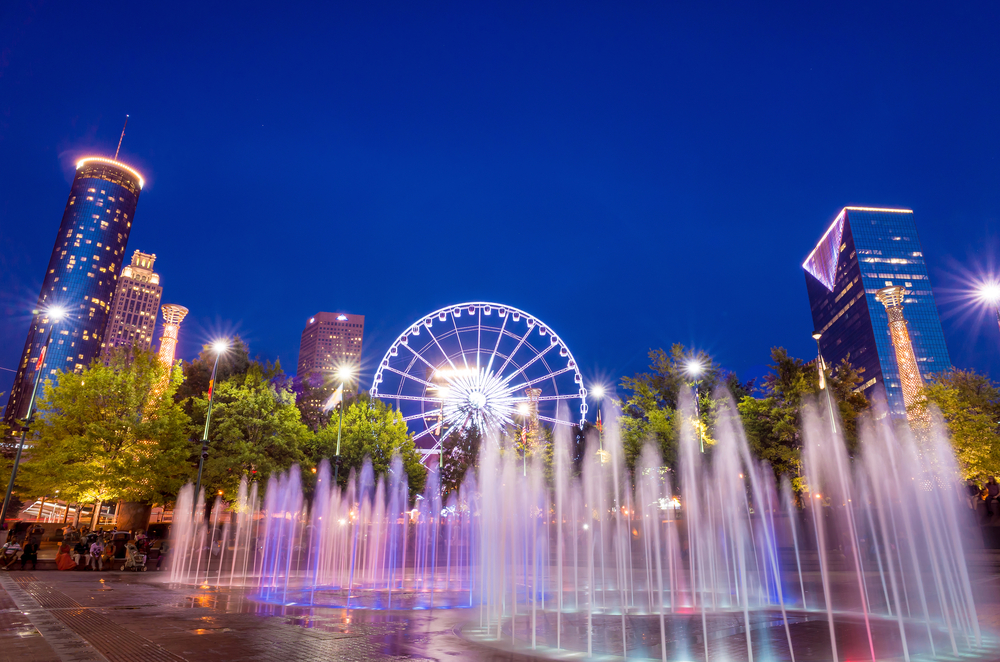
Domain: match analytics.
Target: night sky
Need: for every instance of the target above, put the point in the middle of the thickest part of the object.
(634, 174)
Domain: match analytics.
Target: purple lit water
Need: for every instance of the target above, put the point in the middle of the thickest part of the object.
(708, 560)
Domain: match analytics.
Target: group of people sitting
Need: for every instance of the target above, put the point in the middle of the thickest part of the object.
(87, 554)
(78, 550)
(10, 550)
(984, 500)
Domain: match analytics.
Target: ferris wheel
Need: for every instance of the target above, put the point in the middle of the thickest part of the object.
(483, 364)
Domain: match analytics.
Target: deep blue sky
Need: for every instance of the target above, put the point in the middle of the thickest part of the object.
(634, 174)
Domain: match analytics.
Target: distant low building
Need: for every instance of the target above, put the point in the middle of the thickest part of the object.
(864, 251)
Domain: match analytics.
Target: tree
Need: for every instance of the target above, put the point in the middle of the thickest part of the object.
(110, 432)
(459, 453)
(256, 429)
(650, 412)
(371, 429)
(970, 405)
(773, 424)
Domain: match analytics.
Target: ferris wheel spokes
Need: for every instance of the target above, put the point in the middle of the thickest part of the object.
(460, 374)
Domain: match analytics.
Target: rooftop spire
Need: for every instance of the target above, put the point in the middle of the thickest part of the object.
(121, 139)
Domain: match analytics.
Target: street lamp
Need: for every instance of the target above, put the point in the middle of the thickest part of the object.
(821, 365)
(219, 347)
(344, 375)
(988, 292)
(53, 315)
(694, 368)
(598, 392)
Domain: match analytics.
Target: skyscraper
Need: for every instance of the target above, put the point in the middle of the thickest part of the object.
(81, 274)
(134, 308)
(329, 341)
(866, 250)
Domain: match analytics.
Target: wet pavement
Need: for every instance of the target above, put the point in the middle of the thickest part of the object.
(118, 617)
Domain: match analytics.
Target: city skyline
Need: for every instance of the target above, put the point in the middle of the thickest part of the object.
(611, 202)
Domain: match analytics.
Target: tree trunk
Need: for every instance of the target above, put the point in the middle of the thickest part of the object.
(96, 517)
(133, 515)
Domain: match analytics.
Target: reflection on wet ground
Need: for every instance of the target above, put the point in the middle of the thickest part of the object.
(127, 612)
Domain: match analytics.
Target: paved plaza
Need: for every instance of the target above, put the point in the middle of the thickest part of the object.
(120, 616)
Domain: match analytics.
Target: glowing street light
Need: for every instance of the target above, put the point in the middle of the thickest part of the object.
(988, 292)
(53, 315)
(694, 368)
(220, 347)
(344, 374)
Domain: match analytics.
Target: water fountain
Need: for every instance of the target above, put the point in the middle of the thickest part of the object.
(710, 560)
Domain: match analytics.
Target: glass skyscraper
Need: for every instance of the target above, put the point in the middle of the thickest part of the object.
(82, 274)
(866, 250)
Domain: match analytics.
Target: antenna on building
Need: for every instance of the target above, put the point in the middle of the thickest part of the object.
(121, 139)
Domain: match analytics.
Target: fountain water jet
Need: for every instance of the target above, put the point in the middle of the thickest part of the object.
(692, 561)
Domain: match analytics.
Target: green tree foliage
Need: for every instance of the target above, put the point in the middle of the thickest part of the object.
(459, 453)
(371, 429)
(110, 433)
(773, 423)
(650, 412)
(970, 405)
(255, 431)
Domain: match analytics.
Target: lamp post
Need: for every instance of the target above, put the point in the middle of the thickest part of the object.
(219, 347)
(693, 369)
(598, 393)
(53, 316)
(821, 364)
(344, 374)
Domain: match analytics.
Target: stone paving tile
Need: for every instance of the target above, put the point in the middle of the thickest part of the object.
(55, 640)
(137, 618)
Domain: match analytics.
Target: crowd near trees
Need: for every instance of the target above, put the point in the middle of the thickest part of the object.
(128, 429)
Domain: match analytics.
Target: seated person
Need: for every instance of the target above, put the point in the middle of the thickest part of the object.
(97, 554)
(9, 553)
(80, 553)
(30, 553)
(63, 559)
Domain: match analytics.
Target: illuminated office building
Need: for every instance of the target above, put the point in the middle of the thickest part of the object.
(134, 308)
(329, 341)
(81, 275)
(864, 251)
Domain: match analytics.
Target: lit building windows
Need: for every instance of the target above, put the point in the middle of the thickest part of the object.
(83, 294)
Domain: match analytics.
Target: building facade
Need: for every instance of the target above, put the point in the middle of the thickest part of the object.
(135, 305)
(329, 341)
(866, 250)
(81, 276)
